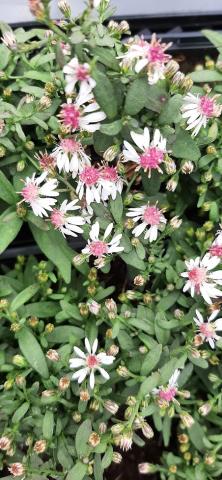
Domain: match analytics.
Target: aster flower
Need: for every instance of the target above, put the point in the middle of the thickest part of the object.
(100, 248)
(216, 248)
(198, 109)
(9, 40)
(66, 223)
(46, 161)
(168, 393)
(70, 156)
(200, 279)
(77, 72)
(36, 7)
(89, 183)
(40, 197)
(152, 220)
(90, 362)
(152, 153)
(152, 55)
(207, 330)
(78, 116)
(111, 183)
(66, 49)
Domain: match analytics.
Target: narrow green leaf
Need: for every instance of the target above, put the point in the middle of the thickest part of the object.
(78, 472)
(82, 437)
(64, 333)
(185, 146)
(48, 425)
(32, 351)
(116, 207)
(151, 360)
(7, 191)
(23, 297)
(9, 228)
(105, 94)
(20, 412)
(150, 383)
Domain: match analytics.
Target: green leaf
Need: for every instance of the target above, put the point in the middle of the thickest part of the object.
(98, 469)
(151, 360)
(64, 333)
(20, 132)
(42, 309)
(20, 413)
(203, 76)
(32, 351)
(151, 185)
(169, 368)
(7, 192)
(104, 293)
(107, 57)
(41, 76)
(71, 310)
(116, 207)
(170, 112)
(185, 146)
(108, 457)
(48, 425)
(125, 341)
(82, 437)
(150, 383)
(196, 435)
(23, 297)
(78, 472)
(136, 96)
(133, 260)
(9, 227)
(214, 37)
(55, 247)
(105, 94)
(111, 129)
(4, 56)
(167, 302)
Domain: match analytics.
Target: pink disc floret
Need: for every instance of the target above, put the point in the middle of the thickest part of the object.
(197, 276)
(156, 54)
(92, 361)
(151, 158)
(69, 145)
(207, 330)
(89, 176)
(109, 173)
(168, 394)
(82, 73)
(30, 192)
(152, 215)
(70, 115)
(207, 106)
(57, 218)
(98, 248)
(216, 251)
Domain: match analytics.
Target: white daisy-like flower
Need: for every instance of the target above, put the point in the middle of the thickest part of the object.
(207, 330)
(151, 55)
(77, 72)
(40, 197)
(65, 222)
(89, 184)
(110, 182)
(152, 152)
(169, 392)
(78, 115)
(89, 363)
(216, 248)
(198, 109)
(151, 218)
(201, 280)
(70, 156)
(100, 248)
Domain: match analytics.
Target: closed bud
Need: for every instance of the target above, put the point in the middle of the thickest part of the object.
(94, 405)
(94, 439)
(117, 457)
(109, 332)
(33, 322)
(128, 199)
(113, 350)
(16, 469)
(39, 446)
(211, 149)
(124, 26)
(187, 83)
(205, 409)
(173, 469)
(123, 371)
(186, 419)
(147, 298)
(94, 307)
(178, 313)
(5, 443)
(4, 304)
(111, 305)
(15, 327)
(21, 211)
(84, 309)
(131, 294)
(8, 384)
(183, 438)
(138, 196)
(209, 459)
(52, 355)
(45, 102)
(77, 417)
(175, 222)
(143, 349)
(20, 166)
(214, 360)
(84, 395)
(49, 328)
(170, 166)
(100, 262)
(131, 401)
(102, 428)
(20, 381)
(171, 185)
(178, 79)
(171, 69)
(111, 153)
(187, 167)
(129, 224)
(50, 88)
(145, 468)
(64, 8)
(213, 378)
(117, 428)
(147, 430)
(19, 361)
(139, 280)
(2, 151)
(128, 413)
(64, 383)
(9, 40)
(111, 406)
(187, 456)
(78, 259)
(48, 393)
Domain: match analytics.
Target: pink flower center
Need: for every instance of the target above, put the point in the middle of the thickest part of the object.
(151, 158)
(69, 145)
(156, 54)
(168, 394)
(197, 276)
(207, 330)
(109, 173)
(70, 115)
(82, 73)
(57, 218)
(89, 176)
(92, 361)
(98, 248)
(207, 106)
(216, 250)
(152, 215)
(30, 192)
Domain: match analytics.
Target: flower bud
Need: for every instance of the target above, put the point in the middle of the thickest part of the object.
(4, 304)
(16, 469)
(186, 419)
(45, 102)
(8, 384)
(64, 8)
(147, 298)
(145, 468)
(84, 395)
(78, 259)
(170, 166)
(48, 393)
(123, 371)
(139, 280)
(84, 309)
(117, 428)
(94, 307)
(113, 350)
(94, 439)
(20, 381)
(173, 469)
(102, 428)
(49, 328)
(125, 441)
(124, 26)
(211, 149)
(175, 222)
(178, 313)
(94, 405)
(20, 166)
(131, 401)
(111, 153)
(178, 79)
(205, 409)
(9, 40)
(64, 383)
(39, 446)
(171, 185)
(2, 151)
(187, 83)
(77, 417)
(19, 361)
(209, 459)
(117, 457)
(52, 355)
(147, 430)
(187, 167)
(5, 443)
(111, 305)
(111, 406)
(183, 438)
(171, 69)
(128, 199)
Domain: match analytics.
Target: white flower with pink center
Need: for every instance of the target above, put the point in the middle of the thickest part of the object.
(70, 156)
(64, 221)
(111, 183)
(77, 72)
(40, 197)
(98, 247)
(201, 280)
(216, 248)
(152, 55)
(151, 220)
(89, 184)
(66, 49)
(198, 109)
(78, 116)
(207, 330)
(88, 363)
(152, 152)
(168, 393)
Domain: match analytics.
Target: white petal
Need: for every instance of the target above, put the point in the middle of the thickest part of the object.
(79, 352)
(87, 345)
(92, 380)
(76, 362)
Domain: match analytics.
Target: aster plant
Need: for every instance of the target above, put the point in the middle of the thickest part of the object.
(111, 156)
